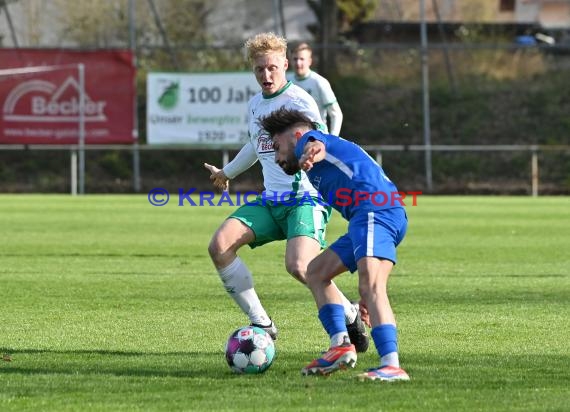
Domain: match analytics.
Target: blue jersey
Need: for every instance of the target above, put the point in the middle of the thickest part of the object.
(348, 178)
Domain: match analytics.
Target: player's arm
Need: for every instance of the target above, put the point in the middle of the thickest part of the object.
(313, 152)
(245, 158)
(334, 113)
(335, 117)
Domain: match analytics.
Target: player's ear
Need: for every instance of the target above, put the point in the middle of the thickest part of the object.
(298, 135)
(286, 64)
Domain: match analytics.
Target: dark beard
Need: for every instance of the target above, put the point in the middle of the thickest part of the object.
(291, 169)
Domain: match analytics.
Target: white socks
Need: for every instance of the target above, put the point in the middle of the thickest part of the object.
(238, 282)
(390, 359)
(339, 338)
(350, 310)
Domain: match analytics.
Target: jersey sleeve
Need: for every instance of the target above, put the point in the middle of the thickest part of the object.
(327, 95)
(312, 135)
(243, 161)
(335, 117)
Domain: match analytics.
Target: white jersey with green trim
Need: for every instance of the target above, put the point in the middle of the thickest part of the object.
(319, 88)
(275, 180)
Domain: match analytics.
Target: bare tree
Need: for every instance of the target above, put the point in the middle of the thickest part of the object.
(105, 23)
(335, 17)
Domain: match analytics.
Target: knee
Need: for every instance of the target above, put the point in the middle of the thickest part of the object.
(313, 276)
(222, 250)
(214, 247)
(227, 240)
(298, 270)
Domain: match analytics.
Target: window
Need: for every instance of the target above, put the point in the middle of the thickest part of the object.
(507, 5)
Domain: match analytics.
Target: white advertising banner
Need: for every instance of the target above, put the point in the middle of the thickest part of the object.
(203, 109)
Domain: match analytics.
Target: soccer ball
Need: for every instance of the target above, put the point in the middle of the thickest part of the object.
(250, 350)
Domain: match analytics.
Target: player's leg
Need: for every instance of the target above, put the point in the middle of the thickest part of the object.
(230, 236)
(373, 274)
(244, 226)
(305, 228)
(373, 282)
(375, 236)
(341, 354)
(299, 251)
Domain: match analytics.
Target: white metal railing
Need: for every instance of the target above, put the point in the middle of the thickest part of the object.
(377, 150)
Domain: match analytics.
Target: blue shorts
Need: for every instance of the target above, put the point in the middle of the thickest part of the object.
(375, 233)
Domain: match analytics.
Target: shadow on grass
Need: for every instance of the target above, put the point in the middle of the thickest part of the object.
(98, 255)
(454, 373)
(191, 364)
(92, 352)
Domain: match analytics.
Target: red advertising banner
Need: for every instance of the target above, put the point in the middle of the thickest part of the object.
(40, 95)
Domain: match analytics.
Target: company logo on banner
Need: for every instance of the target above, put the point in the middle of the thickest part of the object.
(42, 107)
(43, 101)
(169, 98)
(199, 108)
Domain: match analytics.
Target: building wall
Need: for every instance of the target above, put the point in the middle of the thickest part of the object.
(555, 14)
(526, 11)
(236, 20)
(549, 13)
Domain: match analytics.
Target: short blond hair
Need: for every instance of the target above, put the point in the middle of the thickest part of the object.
(265, 43)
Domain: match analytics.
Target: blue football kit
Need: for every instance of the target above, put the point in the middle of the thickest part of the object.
(356, 186)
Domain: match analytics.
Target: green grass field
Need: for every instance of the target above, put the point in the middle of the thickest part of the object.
(110, 304)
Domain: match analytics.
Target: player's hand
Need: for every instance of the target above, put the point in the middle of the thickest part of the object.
(364, 313)
(218, 177)
(307, 160)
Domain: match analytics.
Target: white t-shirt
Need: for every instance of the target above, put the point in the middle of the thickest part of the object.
(274, 178)
(319, 88)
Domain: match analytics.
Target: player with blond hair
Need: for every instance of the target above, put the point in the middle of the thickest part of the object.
(270, 218)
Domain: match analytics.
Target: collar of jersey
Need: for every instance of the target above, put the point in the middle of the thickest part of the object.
(277, 93)
(303, 78)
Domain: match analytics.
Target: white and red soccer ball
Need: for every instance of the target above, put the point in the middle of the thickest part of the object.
(250, 350)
